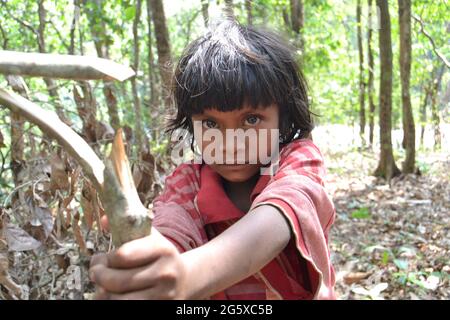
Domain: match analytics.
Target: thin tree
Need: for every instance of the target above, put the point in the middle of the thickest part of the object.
(163, 47)
(370, 68)
(434, 106)
(362, 85)
(152, 75)
(298, 21)
(409, 135)
(248, 9)
(386, 166)
(139, 133)
(205, 13)
(98, 28)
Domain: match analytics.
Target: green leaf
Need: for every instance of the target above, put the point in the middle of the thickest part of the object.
(130, 12)
(385, 257)
(361, 213)
(401, 264)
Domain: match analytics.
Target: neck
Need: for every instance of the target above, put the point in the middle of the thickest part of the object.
(247, 185)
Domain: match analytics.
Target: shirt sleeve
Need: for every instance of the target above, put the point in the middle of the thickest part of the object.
(175, 213)
(297, 190)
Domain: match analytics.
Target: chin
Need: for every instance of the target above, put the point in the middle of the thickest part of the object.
(237, 174)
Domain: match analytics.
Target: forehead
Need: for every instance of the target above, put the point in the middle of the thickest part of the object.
(212, 112)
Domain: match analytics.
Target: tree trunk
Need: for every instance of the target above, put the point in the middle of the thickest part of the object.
(423, 109)
(51, 85)
(297, 21)
(229, 10)
(98, 31)
(163, 48)
(152, 76)
(17, 123)
(409, 133)
(205, 12)
(139, 133)
(17, 130)
(370, 87)
(362, 85)
(248, 9)
(434, 108)
(386, 166)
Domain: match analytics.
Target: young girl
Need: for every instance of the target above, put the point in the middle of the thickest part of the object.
(226, 231)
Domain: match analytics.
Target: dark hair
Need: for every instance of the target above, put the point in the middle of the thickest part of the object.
(232, 65)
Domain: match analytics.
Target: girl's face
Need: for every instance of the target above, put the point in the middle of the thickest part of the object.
(233, 142)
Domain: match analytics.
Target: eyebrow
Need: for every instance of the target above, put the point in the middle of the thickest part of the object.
(241, 112)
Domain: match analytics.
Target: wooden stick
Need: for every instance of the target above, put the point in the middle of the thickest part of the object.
(62, 66)
(49, 123)
(119, 196)
(128, 218)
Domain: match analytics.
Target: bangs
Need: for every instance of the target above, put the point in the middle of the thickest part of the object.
(224, 71)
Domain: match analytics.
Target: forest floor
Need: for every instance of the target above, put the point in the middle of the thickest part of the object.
(388, 242)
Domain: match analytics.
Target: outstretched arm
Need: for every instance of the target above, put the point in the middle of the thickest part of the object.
(152, 268)
(237, 253)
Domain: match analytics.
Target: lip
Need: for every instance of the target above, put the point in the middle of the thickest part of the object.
(234, 166)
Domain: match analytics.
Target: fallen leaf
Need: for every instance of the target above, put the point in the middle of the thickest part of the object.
(19, 240)
(354, 277)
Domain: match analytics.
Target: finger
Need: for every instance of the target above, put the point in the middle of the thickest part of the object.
(104, 222)
(124, 280)
(96, 260)
(101, 293)
(140, 252)
(154, 293)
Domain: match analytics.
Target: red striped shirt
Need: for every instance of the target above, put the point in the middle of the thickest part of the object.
(194, 208)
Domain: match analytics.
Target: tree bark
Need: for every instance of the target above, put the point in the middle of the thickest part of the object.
(136, 101)
(248, 9)
(409, 133)
(98, 31)
(17, 122)
(297, 21)
(152, 76)
(229, 10)
(51, 86)
(163, 48)
(423, 109)
(362, 85)
(370, 87)
(17, 130)
(434, 107)
(386, 166)
(205, 12)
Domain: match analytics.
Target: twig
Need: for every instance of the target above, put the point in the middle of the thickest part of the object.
(26, 25)
(426, 34)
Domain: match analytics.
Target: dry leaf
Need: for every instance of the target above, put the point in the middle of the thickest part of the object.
(19, 240)
(58, 179)
(353, 277)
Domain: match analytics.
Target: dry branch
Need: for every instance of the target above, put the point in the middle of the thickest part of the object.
(62, 66)
(128, 218)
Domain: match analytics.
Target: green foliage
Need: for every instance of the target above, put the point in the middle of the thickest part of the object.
(361, 213)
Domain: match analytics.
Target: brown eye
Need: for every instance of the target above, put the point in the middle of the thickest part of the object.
(209, 124)
(252, 120)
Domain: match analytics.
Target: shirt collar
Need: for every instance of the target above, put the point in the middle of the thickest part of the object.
(212, 200)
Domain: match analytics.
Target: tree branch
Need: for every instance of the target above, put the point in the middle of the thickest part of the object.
(128, 218)
(62, 66)
(426, 34)
(26, 25)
